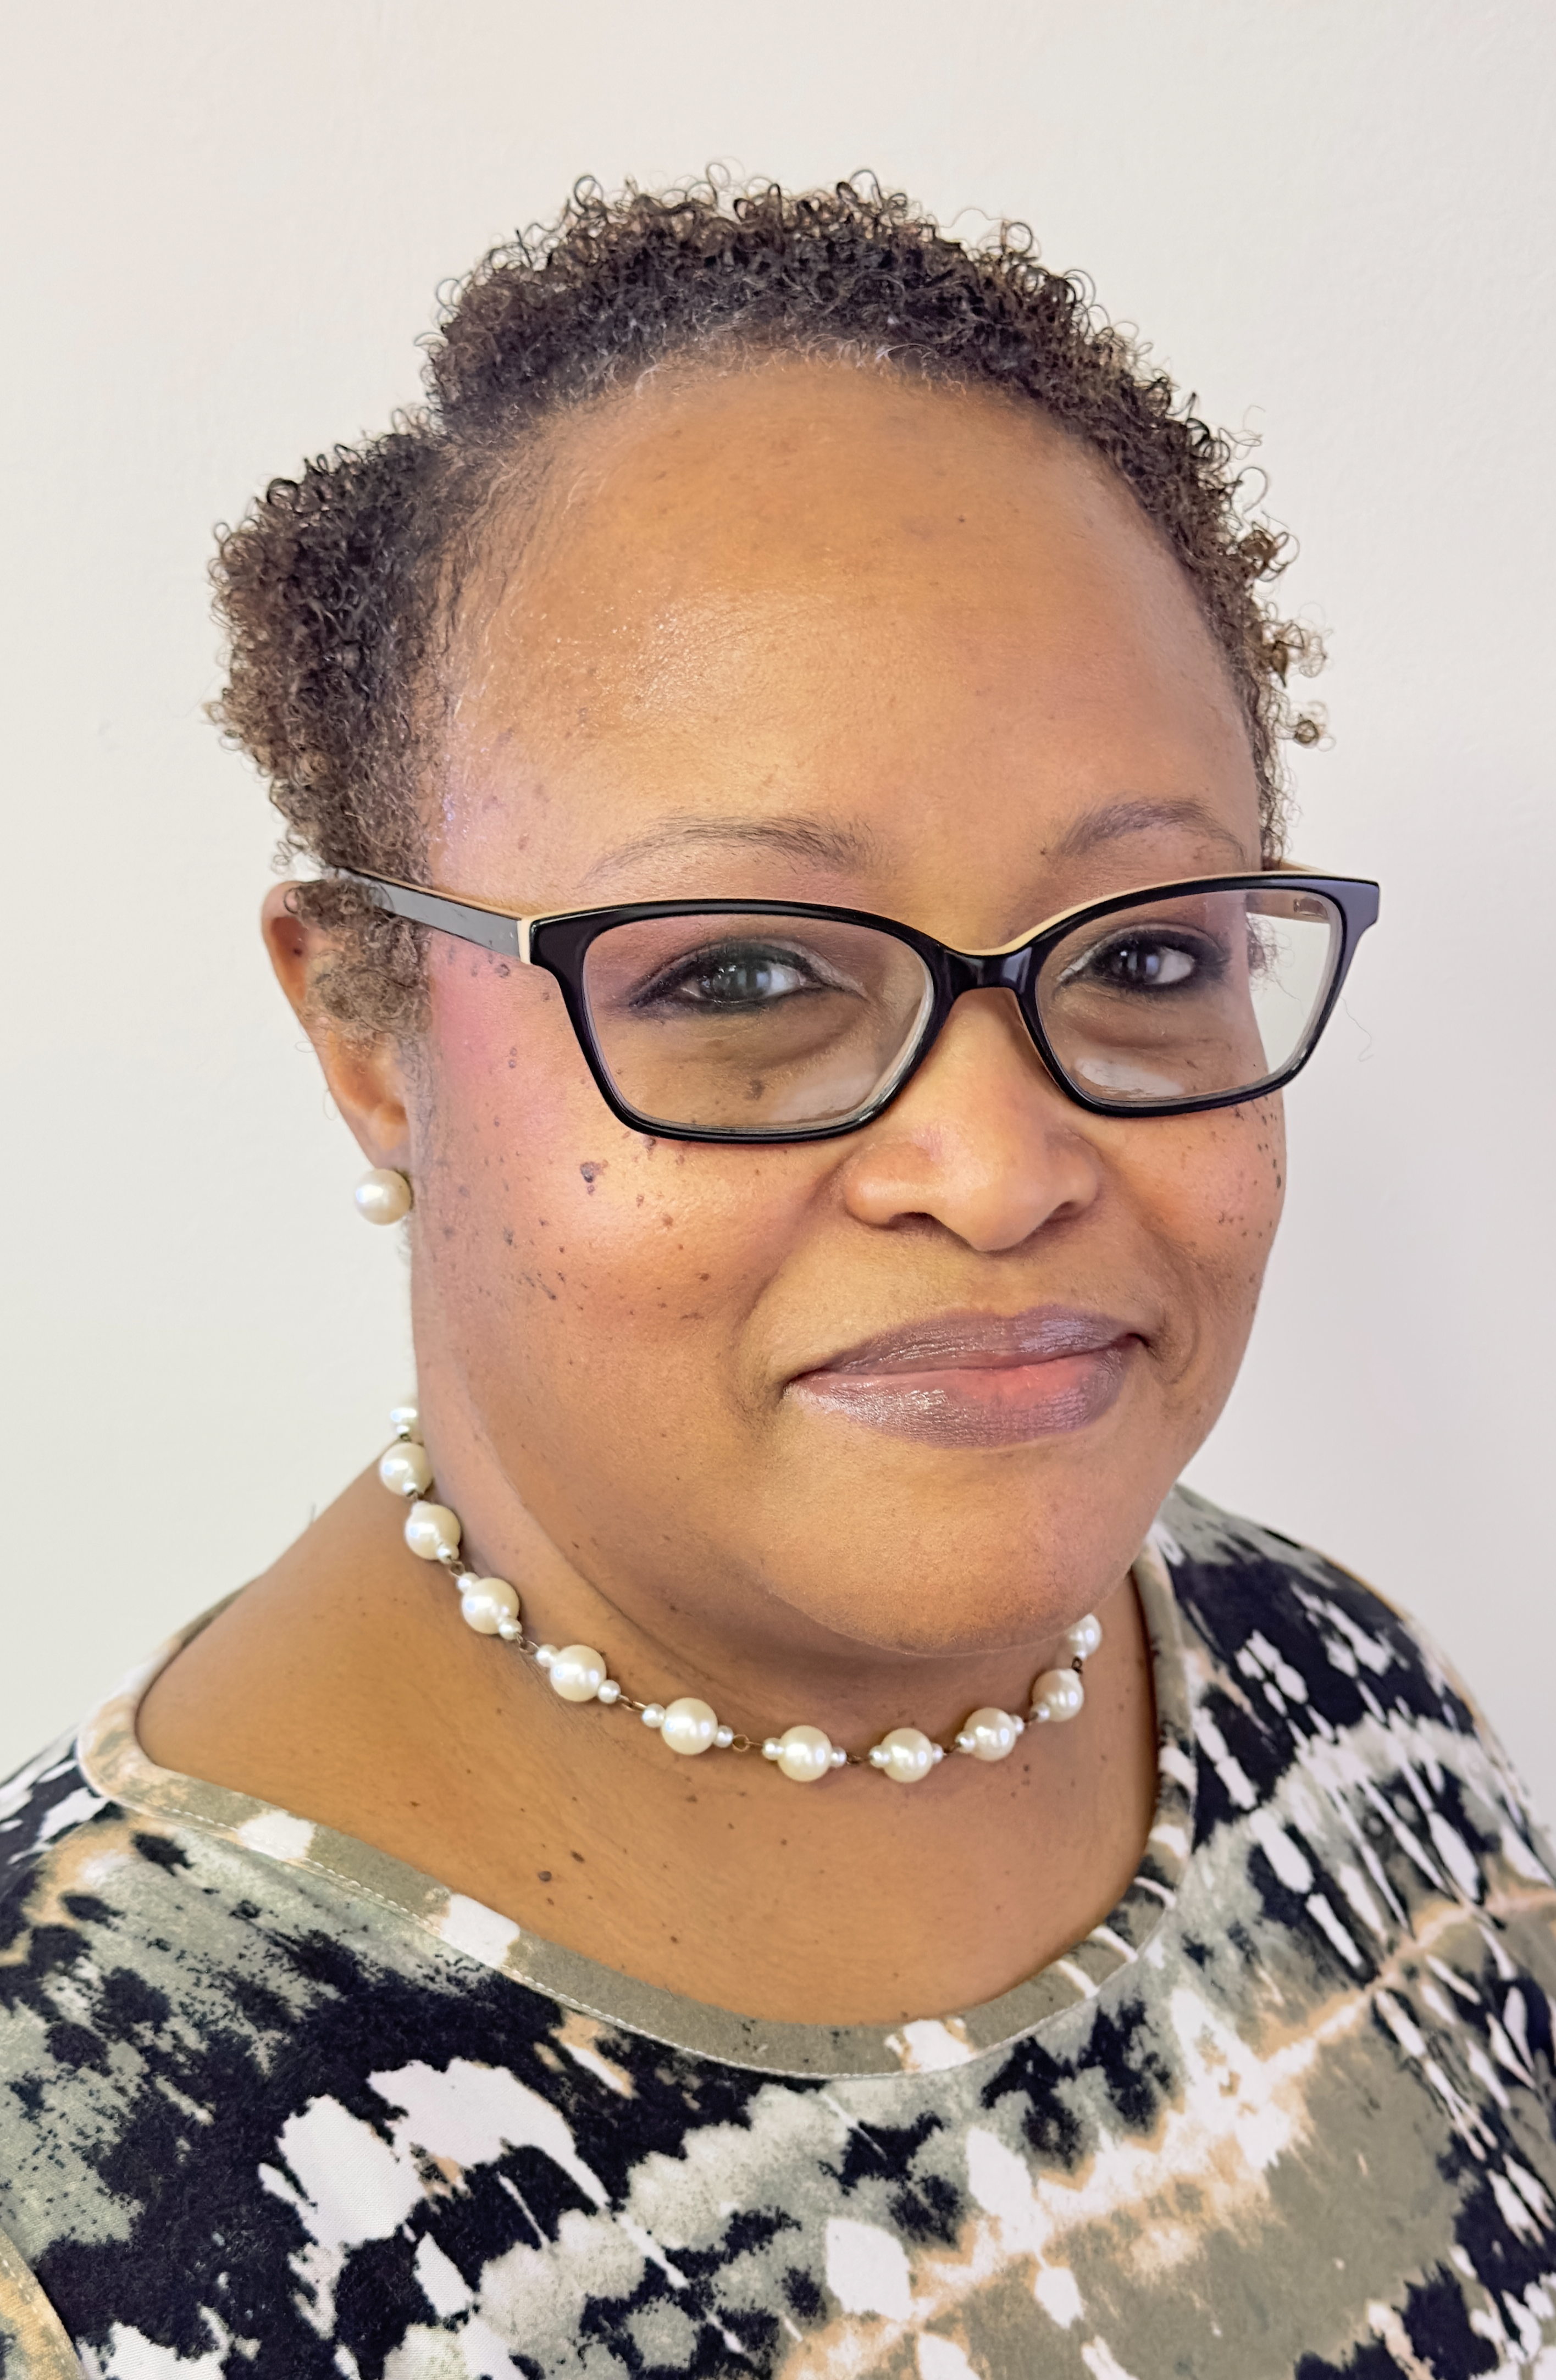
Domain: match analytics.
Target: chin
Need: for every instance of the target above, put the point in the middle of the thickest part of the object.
(969, 1582)
(960, 1629)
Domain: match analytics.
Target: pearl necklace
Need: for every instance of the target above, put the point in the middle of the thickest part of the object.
(579, 1674)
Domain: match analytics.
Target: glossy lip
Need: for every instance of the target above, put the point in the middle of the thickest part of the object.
(979, 1380)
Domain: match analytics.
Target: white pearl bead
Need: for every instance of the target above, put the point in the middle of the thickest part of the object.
(652, 1714)
(1082, 1640)
(405, 1420)
(906, 1754)
(990, 1734)
(510, 1632)
(771, 1749)
(382, 1195)
(1057, 1695)
(839, 1757)
(433, 1531)
(724, 1739)
(609, 1693)
(576, 1673)
(804, 1754)
(545, 1655)
(689, 1725)
(405, 1469)
(486, 1603)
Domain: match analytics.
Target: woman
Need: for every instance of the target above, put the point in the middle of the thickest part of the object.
(882, 1883)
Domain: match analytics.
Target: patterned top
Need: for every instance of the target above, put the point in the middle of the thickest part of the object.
(273, 2105)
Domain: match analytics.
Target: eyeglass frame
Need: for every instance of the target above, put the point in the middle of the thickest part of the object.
(558, 941)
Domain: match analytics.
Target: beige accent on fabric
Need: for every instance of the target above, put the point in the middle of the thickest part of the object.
(30, 2328)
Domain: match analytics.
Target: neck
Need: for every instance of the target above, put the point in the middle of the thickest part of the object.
(345, 1687)
(730, 1640)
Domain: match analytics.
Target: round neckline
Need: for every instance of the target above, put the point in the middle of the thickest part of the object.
(109, 1752)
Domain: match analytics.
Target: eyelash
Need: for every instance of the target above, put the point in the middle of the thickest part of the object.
(700, 963)
(1211, 960)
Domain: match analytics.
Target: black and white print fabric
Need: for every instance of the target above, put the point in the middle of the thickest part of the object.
(273, 2107)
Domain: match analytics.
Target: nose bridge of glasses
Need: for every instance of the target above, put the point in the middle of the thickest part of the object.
(988, 971)
(1012, 971)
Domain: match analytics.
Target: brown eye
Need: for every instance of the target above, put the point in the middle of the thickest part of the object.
(1138, 961)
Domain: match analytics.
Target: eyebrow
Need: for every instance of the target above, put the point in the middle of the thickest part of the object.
(1120, 819)
(846, 846)
(819, 840)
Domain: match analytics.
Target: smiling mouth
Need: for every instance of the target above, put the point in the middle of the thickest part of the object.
(978, 1380)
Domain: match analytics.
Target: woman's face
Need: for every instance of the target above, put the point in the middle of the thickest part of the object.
(811, 631)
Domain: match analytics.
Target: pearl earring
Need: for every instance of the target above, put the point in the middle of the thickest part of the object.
(383, 1196)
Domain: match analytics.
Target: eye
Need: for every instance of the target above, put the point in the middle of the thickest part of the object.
(740, 976)
(1139, 961)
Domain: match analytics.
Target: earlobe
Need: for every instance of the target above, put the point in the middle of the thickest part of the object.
(363, 1073)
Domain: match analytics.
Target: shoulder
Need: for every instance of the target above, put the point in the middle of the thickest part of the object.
(138, 1959)
(1297, 1666)
(1259, 1603)
(43, 1809)
(44, 1801)
(64, 1852)
(181, 2011)
(1231, 1575)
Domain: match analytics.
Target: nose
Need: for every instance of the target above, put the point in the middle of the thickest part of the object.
(982, 1141)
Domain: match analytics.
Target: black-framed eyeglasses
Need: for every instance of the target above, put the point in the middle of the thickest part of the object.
(755, 1021)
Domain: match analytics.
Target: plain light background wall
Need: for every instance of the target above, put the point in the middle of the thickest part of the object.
(224, 226)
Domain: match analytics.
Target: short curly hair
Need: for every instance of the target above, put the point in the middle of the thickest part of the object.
(336, 589)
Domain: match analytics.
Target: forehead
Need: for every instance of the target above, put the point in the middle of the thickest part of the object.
(828, 590)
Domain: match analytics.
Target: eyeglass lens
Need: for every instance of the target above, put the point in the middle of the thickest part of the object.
(1189, 996)
(766, 1023)
(754, 1024)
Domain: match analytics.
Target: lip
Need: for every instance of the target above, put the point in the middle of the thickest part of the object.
(978, 1380)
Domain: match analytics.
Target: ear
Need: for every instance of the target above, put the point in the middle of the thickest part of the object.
(365, 1073)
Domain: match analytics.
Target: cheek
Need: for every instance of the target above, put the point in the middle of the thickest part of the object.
(593, 1254)
(1214, 1195)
